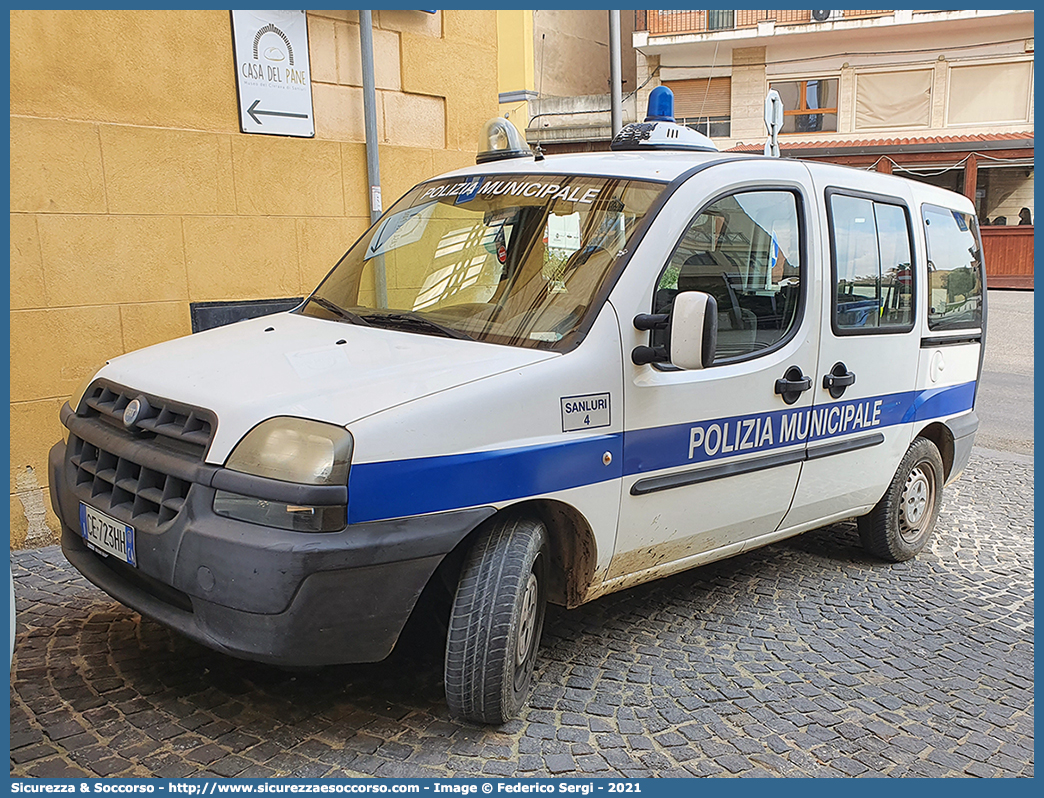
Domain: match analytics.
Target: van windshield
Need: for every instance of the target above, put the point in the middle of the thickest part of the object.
(509, 259)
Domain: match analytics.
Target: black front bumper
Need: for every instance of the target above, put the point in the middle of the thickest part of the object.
(282, 597)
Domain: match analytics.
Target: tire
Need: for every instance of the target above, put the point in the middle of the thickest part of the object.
(496, 621)
(901, 524)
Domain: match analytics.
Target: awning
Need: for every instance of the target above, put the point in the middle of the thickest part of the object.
(914, 145)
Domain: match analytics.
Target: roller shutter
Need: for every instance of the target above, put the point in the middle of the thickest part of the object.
(701, 97)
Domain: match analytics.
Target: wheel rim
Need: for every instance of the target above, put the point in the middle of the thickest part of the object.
(528, 622)
(917, 502)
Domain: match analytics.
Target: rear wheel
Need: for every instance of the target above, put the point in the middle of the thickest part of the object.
(903, 521)
(496, 621)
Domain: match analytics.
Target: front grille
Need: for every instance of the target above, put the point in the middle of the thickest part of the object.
(119, 484)
(166, 421)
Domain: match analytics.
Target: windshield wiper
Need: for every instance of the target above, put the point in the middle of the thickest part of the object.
(401, 320)
(338, 311)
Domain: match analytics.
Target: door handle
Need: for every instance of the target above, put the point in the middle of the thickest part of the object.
(838, 379)
(792, 385)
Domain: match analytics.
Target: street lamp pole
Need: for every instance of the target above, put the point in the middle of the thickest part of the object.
(373, 168)
(616, 94)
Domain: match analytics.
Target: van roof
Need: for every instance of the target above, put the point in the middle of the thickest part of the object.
(662, 166)
(666, 165)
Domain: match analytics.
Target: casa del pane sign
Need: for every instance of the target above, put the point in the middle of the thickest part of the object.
(273, 80)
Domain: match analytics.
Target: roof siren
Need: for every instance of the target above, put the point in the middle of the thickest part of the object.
(500, 139)
(659, 131)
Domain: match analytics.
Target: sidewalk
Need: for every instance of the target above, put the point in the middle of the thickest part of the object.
(1005, 399)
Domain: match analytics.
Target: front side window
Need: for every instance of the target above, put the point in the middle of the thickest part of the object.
(809, 106)
(954, 269)
(512, 259)
(873, 268)
(745, 251)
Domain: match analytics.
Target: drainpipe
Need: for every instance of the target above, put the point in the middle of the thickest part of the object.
(616, 94)
(373, 168)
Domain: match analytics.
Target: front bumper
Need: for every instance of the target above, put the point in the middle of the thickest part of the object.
(282, 597)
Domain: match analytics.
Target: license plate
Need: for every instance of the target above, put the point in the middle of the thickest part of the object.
(107, 535)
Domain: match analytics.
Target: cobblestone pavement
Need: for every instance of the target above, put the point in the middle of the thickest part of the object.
(805, 658)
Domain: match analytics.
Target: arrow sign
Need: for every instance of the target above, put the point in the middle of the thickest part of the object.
(273, 89)
(255, 112)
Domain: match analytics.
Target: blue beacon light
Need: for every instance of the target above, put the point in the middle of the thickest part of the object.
(660, 131)
(661, 105)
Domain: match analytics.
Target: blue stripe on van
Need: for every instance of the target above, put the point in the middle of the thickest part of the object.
(397, 488)
(940, 402)
(658, 448)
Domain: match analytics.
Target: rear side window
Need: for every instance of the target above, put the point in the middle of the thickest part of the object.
(954, 269)
(872, 265)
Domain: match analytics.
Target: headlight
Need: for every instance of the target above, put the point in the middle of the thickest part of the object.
(292, 450)
(295, 450)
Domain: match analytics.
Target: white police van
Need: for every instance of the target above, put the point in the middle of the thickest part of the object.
(538, 379)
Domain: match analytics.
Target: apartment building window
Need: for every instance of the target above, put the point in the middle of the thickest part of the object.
(715, 127)
(704, 104)
(809, 106)
(721, 20)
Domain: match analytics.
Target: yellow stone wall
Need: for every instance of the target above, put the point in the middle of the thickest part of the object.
(516, 66)
(133, 193)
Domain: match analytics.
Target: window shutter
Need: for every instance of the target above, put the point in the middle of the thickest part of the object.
(992, 93)
(893, 99)
(701, 97)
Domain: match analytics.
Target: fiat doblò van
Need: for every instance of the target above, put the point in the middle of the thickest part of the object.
(538, 379)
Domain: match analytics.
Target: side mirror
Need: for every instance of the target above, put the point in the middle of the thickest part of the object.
(692, 333)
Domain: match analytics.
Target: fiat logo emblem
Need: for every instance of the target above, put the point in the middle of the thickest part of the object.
(131, 413)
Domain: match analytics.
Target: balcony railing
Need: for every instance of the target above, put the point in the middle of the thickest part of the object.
(669, 23)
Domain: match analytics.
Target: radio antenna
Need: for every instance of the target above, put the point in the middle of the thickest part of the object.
(540, 86)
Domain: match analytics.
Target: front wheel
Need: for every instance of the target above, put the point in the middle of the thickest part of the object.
(901, 524)
(496, 621)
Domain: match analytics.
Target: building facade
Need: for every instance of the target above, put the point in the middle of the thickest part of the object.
(555, 75)
(136, 200)
(945, 97)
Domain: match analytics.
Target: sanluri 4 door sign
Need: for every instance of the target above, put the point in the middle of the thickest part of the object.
(589, 371)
